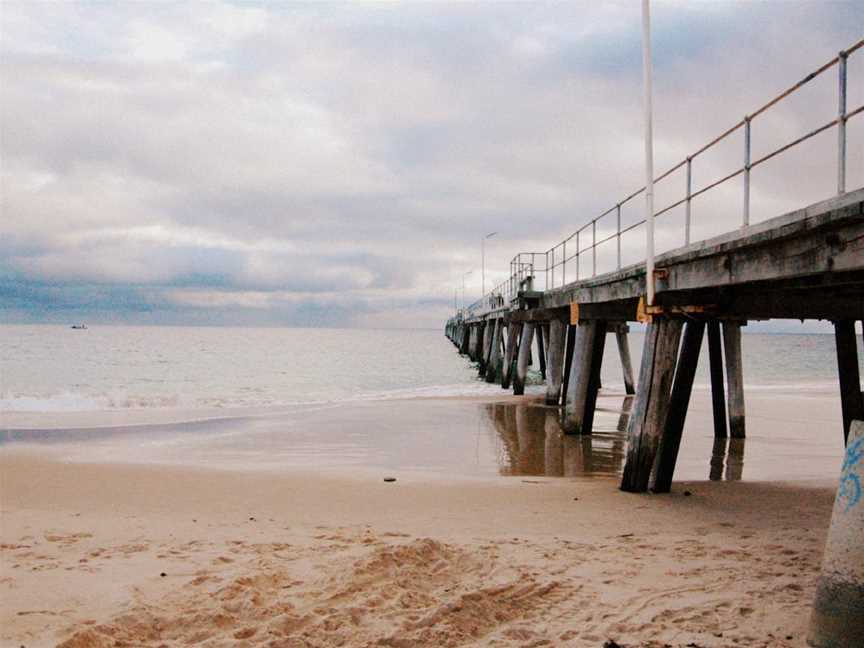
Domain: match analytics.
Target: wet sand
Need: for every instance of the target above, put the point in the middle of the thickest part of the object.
(325, 553)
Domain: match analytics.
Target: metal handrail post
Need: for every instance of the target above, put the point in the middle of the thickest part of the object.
(687, 204)
(746, 171)
(577, 256)
(841, 125)
(618, 230)
(594, 248)
(564, 265)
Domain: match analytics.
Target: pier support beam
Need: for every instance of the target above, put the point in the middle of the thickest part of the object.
(488, 332)
(624, 351)
(851, 401)
(581, 397)
(514, 330)
(734, 378)
(464, 338)
(670, 441)
(478, 342)
(568, 359)
(493, 365)
(541, 349)
(718, 389)
(652, 402)
(555, 365)
(524, 359)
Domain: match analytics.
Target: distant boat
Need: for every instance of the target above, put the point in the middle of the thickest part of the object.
(79, 327)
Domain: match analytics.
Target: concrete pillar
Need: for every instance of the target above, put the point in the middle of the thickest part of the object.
(541, 349)
(493, 366)
(568, 360)
(555, 365)
(584, 383)
(524, 359)
(718, 393)
(734, 378)
(851, 401)
(478, 342)
(486, 348)
(514, 330)
(652, 402)
(838, 611)
(624, 351)
(463, 338)
(670, 440)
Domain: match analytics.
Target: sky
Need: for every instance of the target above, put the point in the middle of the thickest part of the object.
(338, 164)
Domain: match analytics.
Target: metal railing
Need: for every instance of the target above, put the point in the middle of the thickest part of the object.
(524, 267)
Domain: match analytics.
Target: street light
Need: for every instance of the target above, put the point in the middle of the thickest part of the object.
(483, 259)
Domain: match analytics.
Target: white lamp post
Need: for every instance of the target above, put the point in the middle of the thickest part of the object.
(483, 259)
(649, 152)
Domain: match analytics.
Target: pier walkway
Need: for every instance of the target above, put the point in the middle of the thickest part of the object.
(807, 264)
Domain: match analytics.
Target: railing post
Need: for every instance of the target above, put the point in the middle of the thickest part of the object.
(687, 204)
(577, 256)
(546, 283)
(618, 218)
(841, 126)
(594, 248)
(746, 171)
(564, 264)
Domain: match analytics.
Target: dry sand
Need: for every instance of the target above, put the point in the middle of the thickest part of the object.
(129, 555)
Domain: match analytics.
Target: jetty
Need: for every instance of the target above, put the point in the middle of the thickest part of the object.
(806, 264)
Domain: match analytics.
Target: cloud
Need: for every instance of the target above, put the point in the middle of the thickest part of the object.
(267, 162)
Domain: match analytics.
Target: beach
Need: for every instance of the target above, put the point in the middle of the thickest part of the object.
(125, 548)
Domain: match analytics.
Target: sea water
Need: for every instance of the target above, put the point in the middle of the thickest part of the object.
(331, 398)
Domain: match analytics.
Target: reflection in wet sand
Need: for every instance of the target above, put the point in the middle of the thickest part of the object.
(532, 441)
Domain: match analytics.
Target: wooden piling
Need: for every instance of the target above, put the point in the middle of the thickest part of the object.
(581, 397)
(718, 393)
(568, 360)
(524, 358)
(488, 332)
(514, 330)
(555, 366)
(541, 350)
(652, 402)
(851, 402)
(493, 367)
(670, 441)
(734, 378)
(624, 351)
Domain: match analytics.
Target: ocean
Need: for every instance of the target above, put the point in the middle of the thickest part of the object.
(395, 400)
(55, 369)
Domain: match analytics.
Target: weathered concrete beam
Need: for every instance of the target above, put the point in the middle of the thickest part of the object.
(734, 378)
(581, 397)
(652, 402)
(670, 440)
(621, 337)
(555, 367)
(514, 331)
(851, 401)
(718, 393)
(493, 367)
(524, 358)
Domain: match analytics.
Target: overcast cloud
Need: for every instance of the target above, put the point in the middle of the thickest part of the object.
(338, 164)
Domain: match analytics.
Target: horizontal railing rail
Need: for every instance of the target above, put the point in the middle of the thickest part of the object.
(525, 267)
